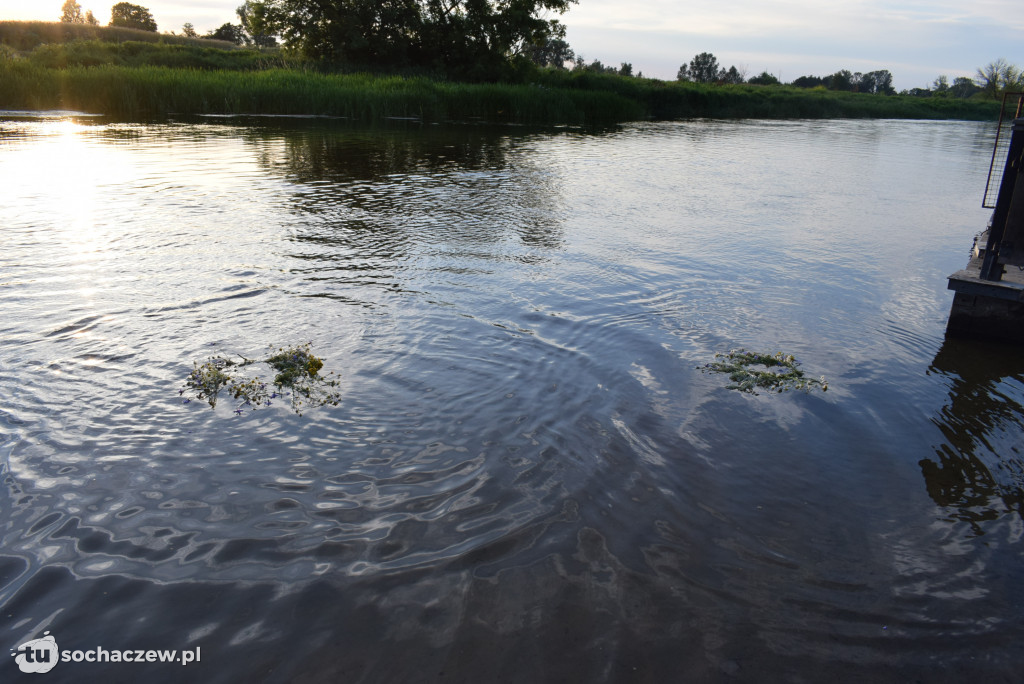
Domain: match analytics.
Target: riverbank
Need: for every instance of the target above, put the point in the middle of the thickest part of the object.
(154, 91)
(111, 72)
(147, 92)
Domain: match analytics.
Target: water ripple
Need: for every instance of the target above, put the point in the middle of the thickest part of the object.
(526, 471)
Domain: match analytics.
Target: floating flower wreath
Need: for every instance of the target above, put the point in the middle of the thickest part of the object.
(298, 377)
(750, 371)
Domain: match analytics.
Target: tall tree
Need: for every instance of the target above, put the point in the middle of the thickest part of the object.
(865, 83)
(474, 37)
(704, 68)
(731, 75)
(91, 19)
(1013, 78)
(881, 82)
(963, 87)
(995, 76)
(127, 15)
(71, 13)
(229, 32)
(254, 17)
(841, 80)
(554, 52)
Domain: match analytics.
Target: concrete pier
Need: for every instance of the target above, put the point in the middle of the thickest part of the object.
(989, 299)
(986, 309)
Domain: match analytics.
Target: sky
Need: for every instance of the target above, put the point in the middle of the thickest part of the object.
(916, 40)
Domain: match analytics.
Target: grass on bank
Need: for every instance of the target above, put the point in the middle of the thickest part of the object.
(153, 91)
(138, 54)
(27, 35)
(142, 92)
(671, 100)
(114, 72)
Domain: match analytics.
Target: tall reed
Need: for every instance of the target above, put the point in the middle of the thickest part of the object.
(134, 92)
(131, 93)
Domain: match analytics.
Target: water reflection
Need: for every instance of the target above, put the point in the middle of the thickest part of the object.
(401, 210)
(978, 472)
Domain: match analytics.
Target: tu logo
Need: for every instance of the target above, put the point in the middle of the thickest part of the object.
(38, 655)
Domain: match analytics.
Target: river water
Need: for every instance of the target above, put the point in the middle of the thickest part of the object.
(527, 477)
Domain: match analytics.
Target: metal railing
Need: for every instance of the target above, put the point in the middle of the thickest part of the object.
(1006, 229)
(999, 150)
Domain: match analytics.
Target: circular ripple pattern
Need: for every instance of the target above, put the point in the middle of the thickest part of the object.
(527, 476)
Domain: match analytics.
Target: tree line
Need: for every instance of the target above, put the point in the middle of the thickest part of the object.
(485, 40)
(252, 28)
(994, 78)
(874, 82)
(478, 39)
(704, 68)
(71, 13)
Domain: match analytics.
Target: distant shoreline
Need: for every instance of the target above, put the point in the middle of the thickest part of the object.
(47, 66)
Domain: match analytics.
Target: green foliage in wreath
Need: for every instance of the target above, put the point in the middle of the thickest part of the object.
(750, 371)
(298, 378)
